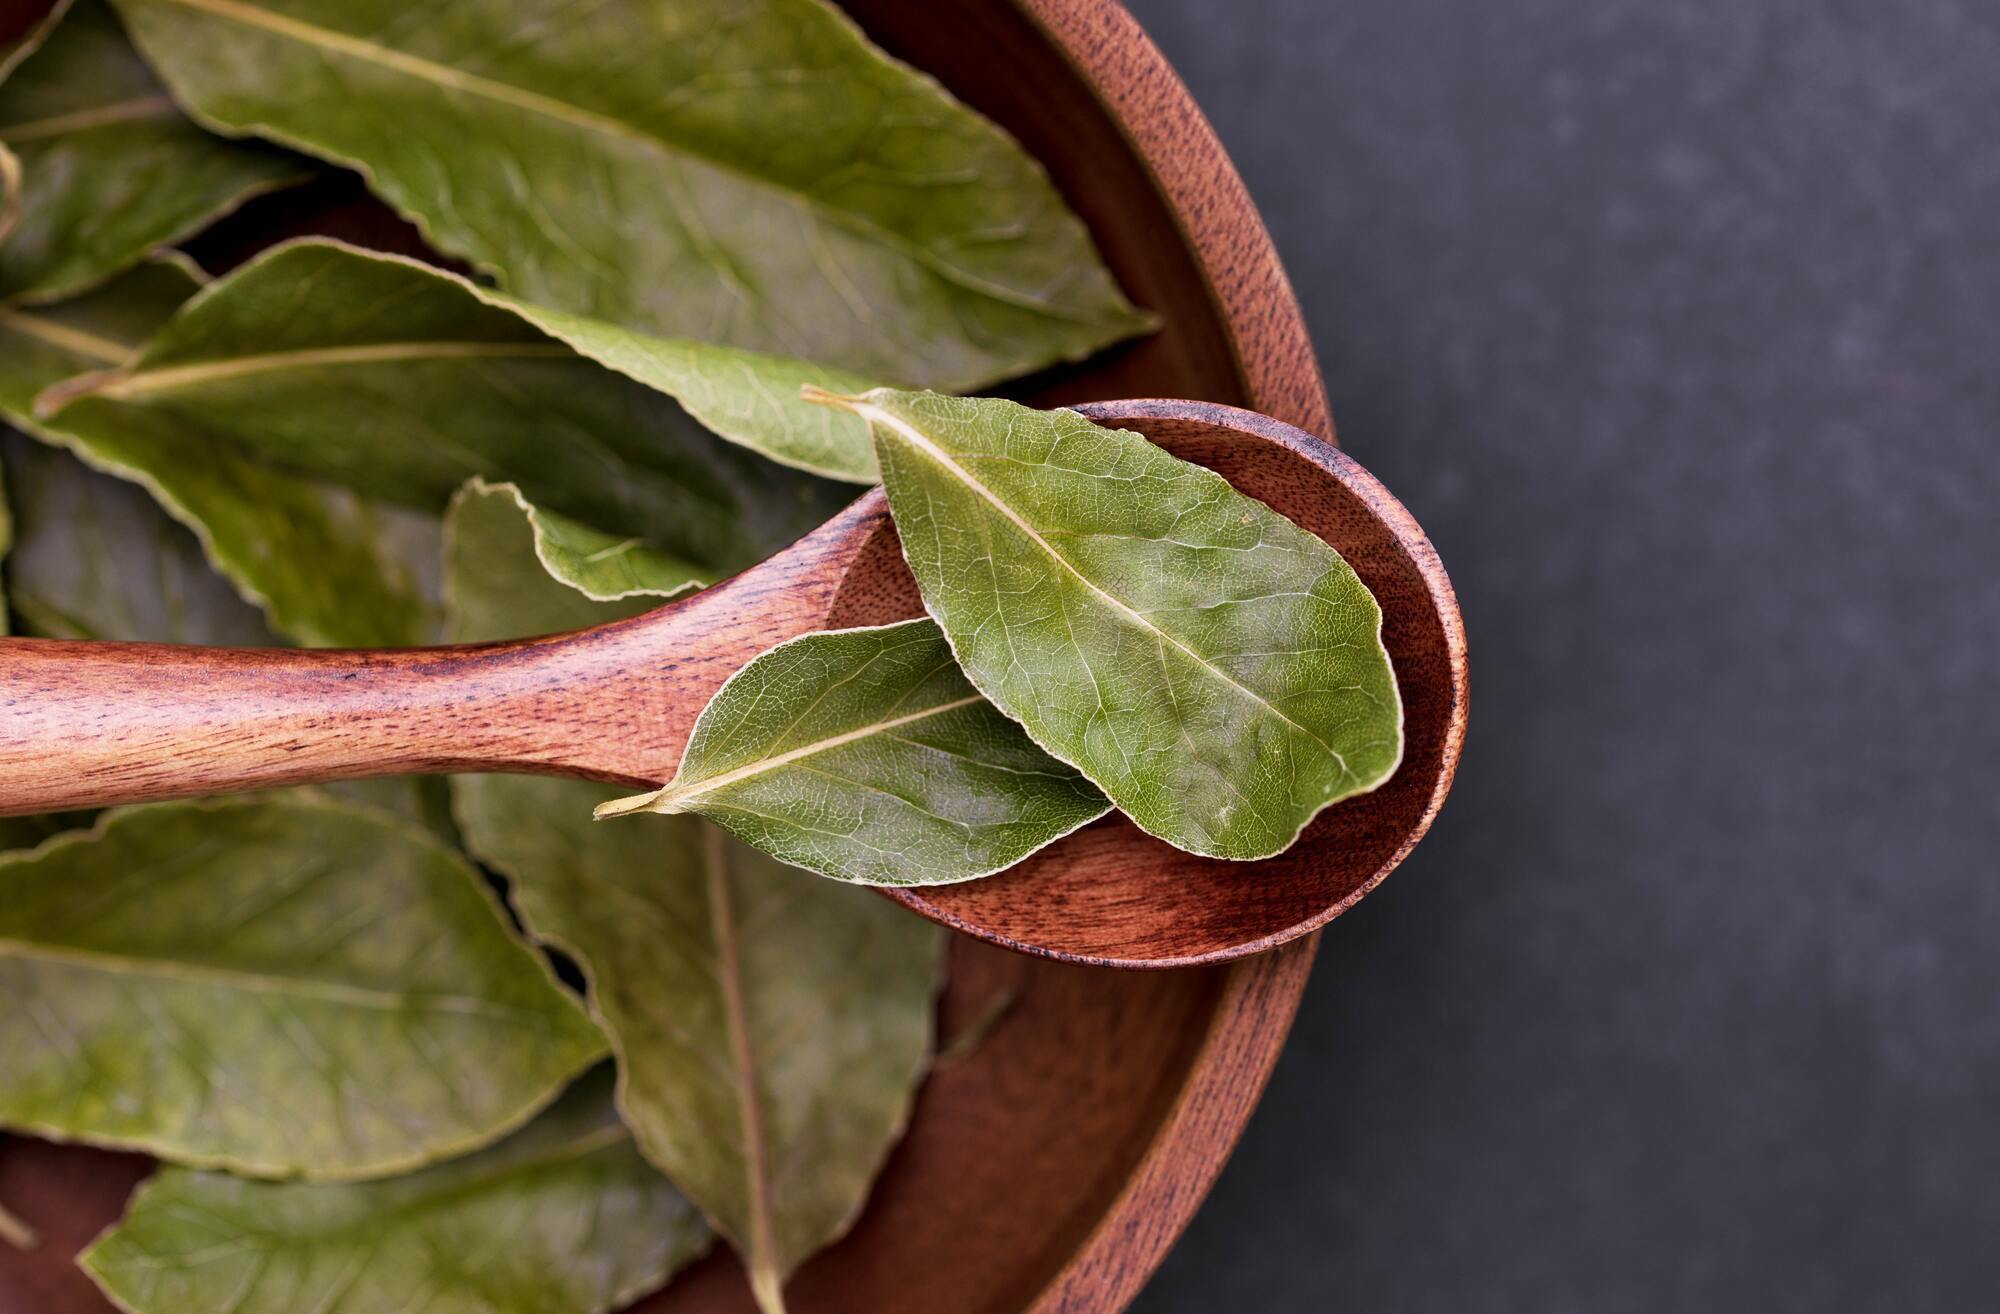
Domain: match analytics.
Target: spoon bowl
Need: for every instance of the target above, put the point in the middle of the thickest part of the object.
(91, 724)
(1112, 895)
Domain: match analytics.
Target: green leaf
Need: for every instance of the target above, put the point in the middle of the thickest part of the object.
(10, 190)
(43, 345)
(563, 1217)
(325, 567)
(865, 756)
(1214, 668)
(495, 539)
(275, 986)
(6, 541)
(400, 381)
(28, 42)
(770, 1028)
(96, 559)
(760, 176)
(110, 169)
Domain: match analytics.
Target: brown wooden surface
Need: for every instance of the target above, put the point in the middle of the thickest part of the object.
(84, 724)
(1050, 1168)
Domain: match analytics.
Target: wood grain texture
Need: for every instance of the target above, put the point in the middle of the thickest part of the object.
(87, 724)
(1049, 1168)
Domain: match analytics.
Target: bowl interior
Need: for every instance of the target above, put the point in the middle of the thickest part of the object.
(1023, 1141)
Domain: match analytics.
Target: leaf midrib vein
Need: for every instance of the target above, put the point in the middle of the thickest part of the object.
(818, 746)
(98, 348)
(97, 116)
(417, 66)
(760, 1255)
(166, 378)
(235, 978)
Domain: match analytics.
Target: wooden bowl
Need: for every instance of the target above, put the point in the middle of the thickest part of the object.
(1050, 1167)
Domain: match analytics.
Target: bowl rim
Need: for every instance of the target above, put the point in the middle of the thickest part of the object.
(1267, 332)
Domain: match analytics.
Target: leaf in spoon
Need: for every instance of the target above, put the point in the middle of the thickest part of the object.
(865, 756)
(110, 168)
(562, 1217)
(1214, 668)
(751, 172)
(277, 986)
(770, 1028)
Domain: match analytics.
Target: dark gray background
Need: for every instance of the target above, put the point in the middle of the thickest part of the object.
(1678, 325)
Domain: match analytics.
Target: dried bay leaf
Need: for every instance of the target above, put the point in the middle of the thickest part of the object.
(6, 543)
(770, 1028)
(751, 173)
(865, 755)
(495, 537)
(30, 39)
(42, 345)
(563, 1217)
(324, 567)
(400, 381)
(110, 169)
(1214, 668)
(281, 985)
(96, 559)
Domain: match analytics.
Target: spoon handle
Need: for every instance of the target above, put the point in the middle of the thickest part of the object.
(87, 724)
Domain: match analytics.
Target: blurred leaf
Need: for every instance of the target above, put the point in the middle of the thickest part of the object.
(770, 1027)
(494, 539)
(96, 559)
(325, 567)
(31, 38)
(46, 344)
(284, 985)
(6, 542)
(110, 168)
(1214, 668)
(761, 177)
(400, 381)
(865, 756)
(563, 1217)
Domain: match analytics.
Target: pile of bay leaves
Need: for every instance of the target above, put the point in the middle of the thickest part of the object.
(419, 1044)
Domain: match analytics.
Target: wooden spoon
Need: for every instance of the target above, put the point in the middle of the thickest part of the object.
(89, 724)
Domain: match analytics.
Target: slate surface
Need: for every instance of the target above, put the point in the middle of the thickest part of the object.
(1678, 325)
